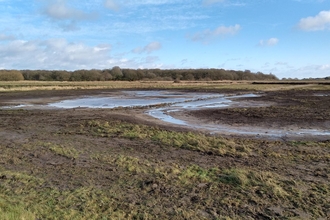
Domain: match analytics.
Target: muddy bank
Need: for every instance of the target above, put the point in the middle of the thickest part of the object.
(284, 115)
(288, 114)
(306, 109)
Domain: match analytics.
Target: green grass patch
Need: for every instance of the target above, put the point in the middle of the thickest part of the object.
(68, 152)
(186, 140)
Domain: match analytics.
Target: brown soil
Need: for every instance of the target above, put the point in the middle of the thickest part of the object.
(22, 127)
(305, 109)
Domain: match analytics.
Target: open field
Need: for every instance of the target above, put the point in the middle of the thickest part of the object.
(8, 86)
(115, 164)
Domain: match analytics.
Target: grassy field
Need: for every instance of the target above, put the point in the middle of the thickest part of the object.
(87, 164)
(234, 85)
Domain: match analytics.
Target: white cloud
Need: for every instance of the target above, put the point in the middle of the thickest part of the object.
(270, 42)
(319, 22)
(65, 15)
(325, 67)
(60, 10)
(53, 54)
(153, 46)
(207, 35)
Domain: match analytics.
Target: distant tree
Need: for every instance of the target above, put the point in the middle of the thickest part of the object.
(106, 75)
(188, 76)
(61, 75)
(140, 74)
(27, 74)
(116, 73)
(150, 75)
(129, 74)
(11, 75)
(86, 75)
(76, 75)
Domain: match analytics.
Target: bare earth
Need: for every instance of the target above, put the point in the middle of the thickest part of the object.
(295, 109)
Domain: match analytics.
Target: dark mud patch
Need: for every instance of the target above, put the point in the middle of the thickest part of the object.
(288, 110)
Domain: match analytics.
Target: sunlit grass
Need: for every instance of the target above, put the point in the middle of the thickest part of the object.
(7, 86)
(68, 152)
(185, 140)
(151, 188)
(23, 197)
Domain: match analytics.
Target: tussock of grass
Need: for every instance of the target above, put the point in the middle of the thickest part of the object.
(68, 152)
(145, 189)
(15, 211)
(186, 140)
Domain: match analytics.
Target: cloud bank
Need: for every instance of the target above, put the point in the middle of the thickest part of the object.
(317, 23)
(53, 54)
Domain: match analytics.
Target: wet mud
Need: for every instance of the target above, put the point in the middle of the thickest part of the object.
(286, 115)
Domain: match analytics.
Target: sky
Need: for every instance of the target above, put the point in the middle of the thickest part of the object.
(288, 38)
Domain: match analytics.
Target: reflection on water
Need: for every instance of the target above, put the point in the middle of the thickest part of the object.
(163, 114)
(132, 99)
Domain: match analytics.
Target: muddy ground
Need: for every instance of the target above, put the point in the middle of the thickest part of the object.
(25, 133)
(293, 109)
(306, 109)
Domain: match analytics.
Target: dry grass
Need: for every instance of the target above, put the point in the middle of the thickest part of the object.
(231, 85)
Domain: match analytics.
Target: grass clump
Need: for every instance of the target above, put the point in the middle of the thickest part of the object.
(68, 152)
(194, 172)
(262, 182)
(185, 140)
(132, 164)
(14, 211)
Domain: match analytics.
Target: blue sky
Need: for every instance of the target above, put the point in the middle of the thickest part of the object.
(289, 38)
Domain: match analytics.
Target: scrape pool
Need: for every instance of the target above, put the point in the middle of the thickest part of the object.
(162, 103)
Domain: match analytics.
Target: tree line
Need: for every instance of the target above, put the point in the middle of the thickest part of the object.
(116, 73)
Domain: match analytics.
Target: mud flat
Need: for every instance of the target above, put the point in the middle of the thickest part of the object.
(123, 163)
(251, 114)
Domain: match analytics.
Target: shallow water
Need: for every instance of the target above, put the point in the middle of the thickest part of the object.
(131, 99)
(180, 101)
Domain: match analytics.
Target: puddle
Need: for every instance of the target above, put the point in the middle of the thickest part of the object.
(175, 101)
(131, 99)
